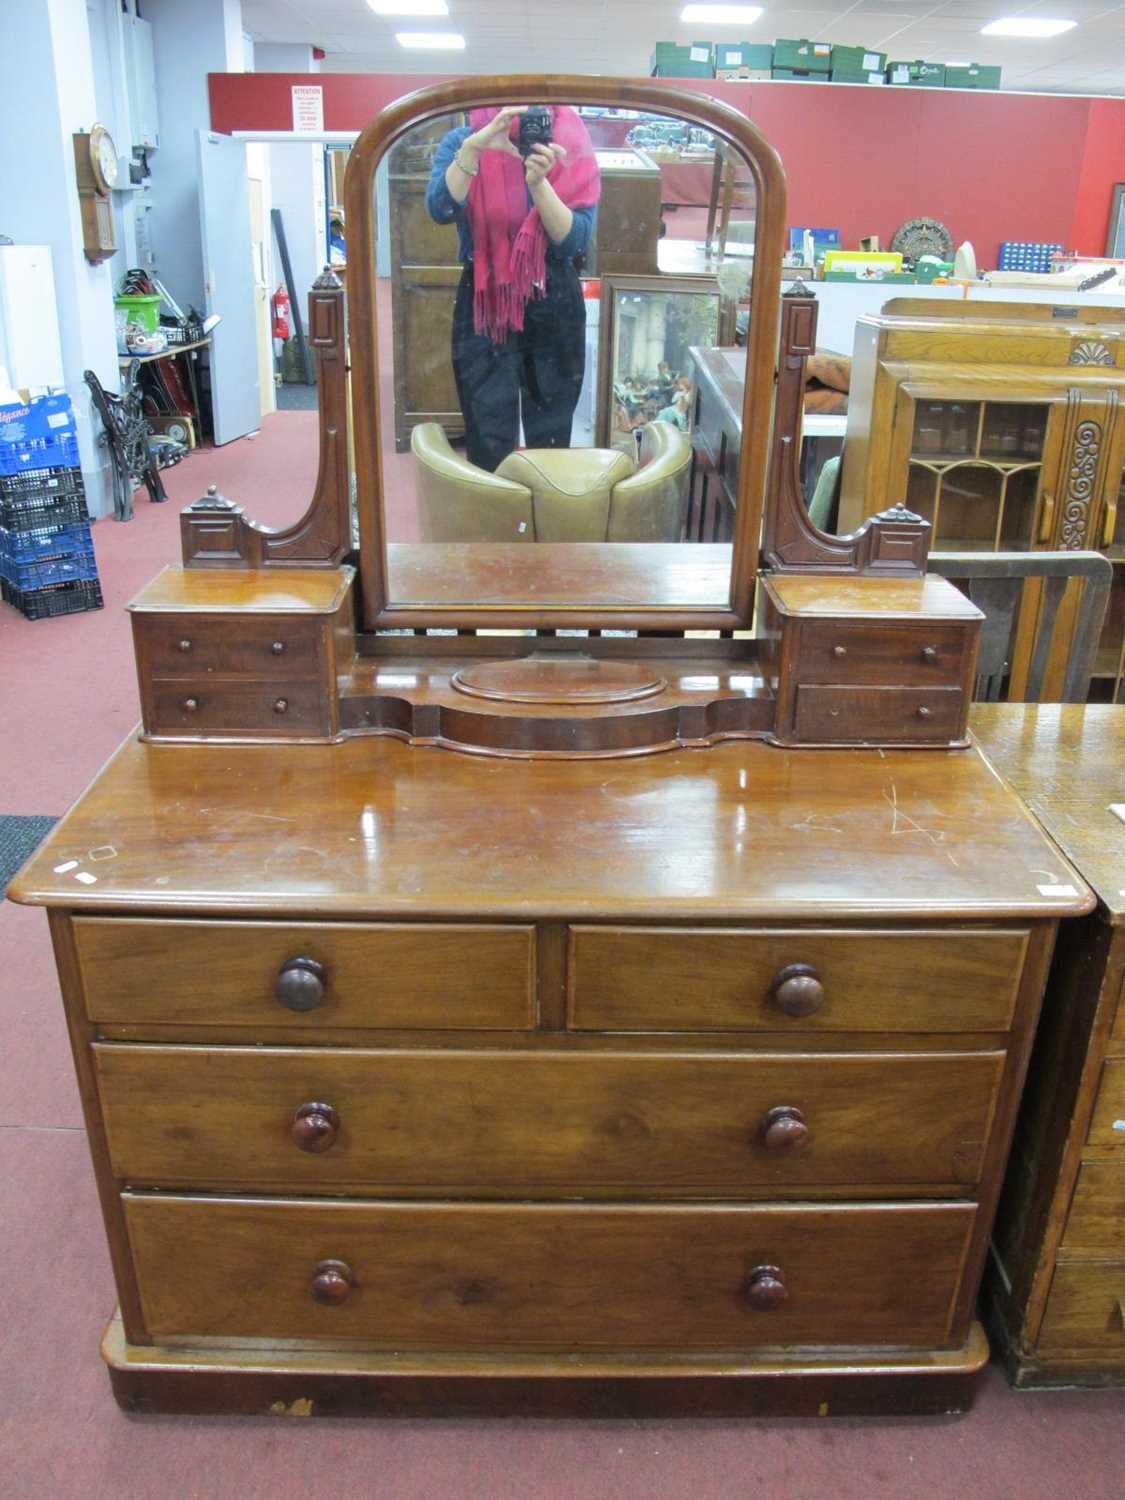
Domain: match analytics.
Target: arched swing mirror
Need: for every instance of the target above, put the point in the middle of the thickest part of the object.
(533, 275)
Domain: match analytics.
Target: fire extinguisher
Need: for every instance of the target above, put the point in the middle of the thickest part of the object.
(279, 314)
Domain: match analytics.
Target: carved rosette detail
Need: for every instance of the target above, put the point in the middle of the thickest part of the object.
(1080, 484)
(1091, 352)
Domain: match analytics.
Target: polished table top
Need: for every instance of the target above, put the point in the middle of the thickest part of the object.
(370, 827)
(1067, 761)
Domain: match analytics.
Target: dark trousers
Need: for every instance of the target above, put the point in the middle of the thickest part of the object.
(538, 371)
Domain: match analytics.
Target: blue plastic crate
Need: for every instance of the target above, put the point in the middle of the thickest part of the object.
(1026, 255)
(47, 541)
(39, 435)
(28, 576)
(21, 455)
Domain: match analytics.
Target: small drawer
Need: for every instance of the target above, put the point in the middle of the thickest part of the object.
(715, 979)
(254, 709)
(848, 653)
(548, 1276)
(1107, 1125)
(543, 1124)
(193, 645)
(1094, 1226)
(863, 714)
(1085, 1309)
(312, 975)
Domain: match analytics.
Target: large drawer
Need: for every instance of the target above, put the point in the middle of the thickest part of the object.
(1085, 1309)
(362, 974)
(499, 1276)
(1095, 1225)
(1107, 1125)
(200, 706)
(183, 645)
(849, 652)
(544, 1122)
(667, 979)
(866, 714)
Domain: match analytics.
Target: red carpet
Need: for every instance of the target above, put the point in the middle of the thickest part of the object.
(69, 696)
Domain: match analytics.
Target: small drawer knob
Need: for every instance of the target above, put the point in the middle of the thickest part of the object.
(765, 1289)
(278, 648)
(924, 712)
(784, 1131)
(300, 984)
(185, 645)
(315, 1128)
(281, 705)
(839, 652)
(190, 705)
(797, 990)
(332, 1282)
(929, 653)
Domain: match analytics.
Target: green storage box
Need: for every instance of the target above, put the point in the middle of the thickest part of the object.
(920, 74)
(858, 60)
(855, 75)
(143, 311)
(752, 55)
(696, 60)
(815, 57)
(898, 278)
(971, 77)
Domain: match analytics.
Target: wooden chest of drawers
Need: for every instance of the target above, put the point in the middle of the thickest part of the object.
(716, 1124)
(1056, 1289)
(221, 658)
(866, 660)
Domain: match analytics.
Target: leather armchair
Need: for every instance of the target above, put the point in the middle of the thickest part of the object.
(651, 505)
(459, 502)
(571, 489)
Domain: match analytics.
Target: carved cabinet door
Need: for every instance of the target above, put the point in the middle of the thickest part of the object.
(1083, 458)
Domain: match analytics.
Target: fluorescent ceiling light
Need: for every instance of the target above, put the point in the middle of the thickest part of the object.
(1026, 26)
(409, 7)
(445, 41)
(722, 15)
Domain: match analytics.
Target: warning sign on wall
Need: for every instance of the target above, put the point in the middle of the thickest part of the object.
(308, 108)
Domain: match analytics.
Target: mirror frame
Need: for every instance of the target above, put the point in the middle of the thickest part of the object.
(378, 613)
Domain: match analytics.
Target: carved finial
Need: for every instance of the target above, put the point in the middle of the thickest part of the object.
(212, 500)
(799, 289)
(898, 514)
(327, 281)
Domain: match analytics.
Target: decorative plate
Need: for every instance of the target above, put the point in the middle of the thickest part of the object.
(919, 237)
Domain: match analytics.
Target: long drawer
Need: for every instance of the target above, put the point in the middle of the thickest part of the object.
(480, 1276)
(329, 974)
(1086, 1309)
(543, 1122)
(665, 979)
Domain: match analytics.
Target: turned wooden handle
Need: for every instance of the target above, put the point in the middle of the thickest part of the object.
(765, 1289)
(784, 1129)
(190, 705)
(839, 652)
(300, 984)
(315, 1128)
(924, 712)
(185, 645)
(332, 1282)
(797, 990)
(929, 653)
(278, 648)
(280, 705)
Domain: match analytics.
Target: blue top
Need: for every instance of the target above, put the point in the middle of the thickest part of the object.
(443, 207)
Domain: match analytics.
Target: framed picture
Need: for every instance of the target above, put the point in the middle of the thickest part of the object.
(647, 326)
(1115, 240)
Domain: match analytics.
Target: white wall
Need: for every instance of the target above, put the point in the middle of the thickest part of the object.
(47, 93)
(191, 38)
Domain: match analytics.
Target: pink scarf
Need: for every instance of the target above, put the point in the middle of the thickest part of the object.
(509, 242)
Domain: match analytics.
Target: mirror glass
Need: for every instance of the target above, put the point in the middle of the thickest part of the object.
(552, 283)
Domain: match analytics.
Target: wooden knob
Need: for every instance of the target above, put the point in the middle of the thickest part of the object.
(278, 648)
(924, 712)
(332, 1282)
(190, 705)
(280, 705)
(300, 984)
(797, 990)
(185, 645)
(765, 1289)
(315, 1128)
(784, 1130)
(839, 651)
(929, 653)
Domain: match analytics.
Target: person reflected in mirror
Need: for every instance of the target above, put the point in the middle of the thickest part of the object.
(524, 208)
(337, 244)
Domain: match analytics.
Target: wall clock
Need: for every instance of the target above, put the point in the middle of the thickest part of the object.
(95, 167)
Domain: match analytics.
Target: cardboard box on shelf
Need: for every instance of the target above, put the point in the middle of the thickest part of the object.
(856, 75)
(971, 76)
(858, 60)
(734, 55)
(920, 74)
(669, 60)
(802, 54)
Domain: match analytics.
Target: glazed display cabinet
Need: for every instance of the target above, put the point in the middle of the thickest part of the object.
(999, 423)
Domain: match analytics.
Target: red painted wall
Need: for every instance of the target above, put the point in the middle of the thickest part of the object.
(992, 166)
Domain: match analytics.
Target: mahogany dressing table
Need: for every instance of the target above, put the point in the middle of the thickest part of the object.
(475, 1015)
